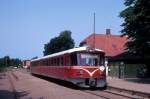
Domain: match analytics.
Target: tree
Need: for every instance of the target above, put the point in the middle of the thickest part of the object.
(6, 61)
(15, 62)
(60, 43)
(137, 27)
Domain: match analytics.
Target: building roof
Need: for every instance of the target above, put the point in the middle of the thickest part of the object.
(111, 44)
(66, 52)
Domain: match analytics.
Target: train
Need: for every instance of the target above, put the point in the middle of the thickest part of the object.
(82, 66)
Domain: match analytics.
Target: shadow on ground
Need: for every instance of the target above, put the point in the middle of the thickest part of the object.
(65, 83)
(139, 80)
(21, 94)
(2, 75)
(5, 94)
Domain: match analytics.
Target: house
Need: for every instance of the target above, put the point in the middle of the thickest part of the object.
(113, 45)
(117, 58)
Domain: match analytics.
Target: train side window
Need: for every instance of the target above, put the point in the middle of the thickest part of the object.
(62, 61)
(73, 59)
(50, 62)
(46, 62)
(58, 62)
(35, 64)
(38, 63)
(43, 62)
(54, 61)
(32, 64)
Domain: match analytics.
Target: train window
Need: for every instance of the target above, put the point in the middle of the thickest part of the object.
(89, 59)
(46, 62)
(51, 62)
(42, 62)
(57, 62)
(62, 61)
(32, 64)
(37, 63)
(73, 59)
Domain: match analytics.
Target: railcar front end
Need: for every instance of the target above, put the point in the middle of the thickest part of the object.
(88, 70)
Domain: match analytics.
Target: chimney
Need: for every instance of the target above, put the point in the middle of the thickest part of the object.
(108, 31)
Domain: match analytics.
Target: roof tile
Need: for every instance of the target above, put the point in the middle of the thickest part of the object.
(112, 44)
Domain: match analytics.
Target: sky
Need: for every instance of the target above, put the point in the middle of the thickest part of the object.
(26, 25)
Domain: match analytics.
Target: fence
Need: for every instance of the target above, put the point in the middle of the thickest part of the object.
(126, 70)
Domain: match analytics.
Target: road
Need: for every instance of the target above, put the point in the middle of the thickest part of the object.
(26, 86)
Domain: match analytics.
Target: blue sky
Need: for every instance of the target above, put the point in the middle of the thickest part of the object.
(26, 25)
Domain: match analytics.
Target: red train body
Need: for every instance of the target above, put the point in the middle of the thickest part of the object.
(81, 66)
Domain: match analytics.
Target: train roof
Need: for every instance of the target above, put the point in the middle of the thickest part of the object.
(79, 49)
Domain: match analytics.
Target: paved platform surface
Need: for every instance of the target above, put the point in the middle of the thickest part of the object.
(140, 85)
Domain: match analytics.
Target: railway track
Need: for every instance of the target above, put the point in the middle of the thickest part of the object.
(11, 83)
(110, 95)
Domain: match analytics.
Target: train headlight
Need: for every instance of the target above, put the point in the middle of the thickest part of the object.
(102, 68)
(80, 72)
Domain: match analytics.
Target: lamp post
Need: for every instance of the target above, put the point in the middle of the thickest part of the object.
(121, 70)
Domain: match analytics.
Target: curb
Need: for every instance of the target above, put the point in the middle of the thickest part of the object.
(132, 92)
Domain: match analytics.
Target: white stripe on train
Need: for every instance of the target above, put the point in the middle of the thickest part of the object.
(90, 73)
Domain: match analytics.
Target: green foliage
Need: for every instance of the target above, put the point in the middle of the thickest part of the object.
(60, 43)
(7, 61)
(15, 62)
(137, 26)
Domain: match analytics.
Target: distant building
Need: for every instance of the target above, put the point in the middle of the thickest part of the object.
(115, 51)
(26, 64)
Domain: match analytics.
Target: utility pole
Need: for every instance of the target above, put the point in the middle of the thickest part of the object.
(94, 32)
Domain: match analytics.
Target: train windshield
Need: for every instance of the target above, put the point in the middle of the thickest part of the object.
(89, 59)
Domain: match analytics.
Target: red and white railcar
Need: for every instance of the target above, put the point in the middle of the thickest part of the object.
(81, 66)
